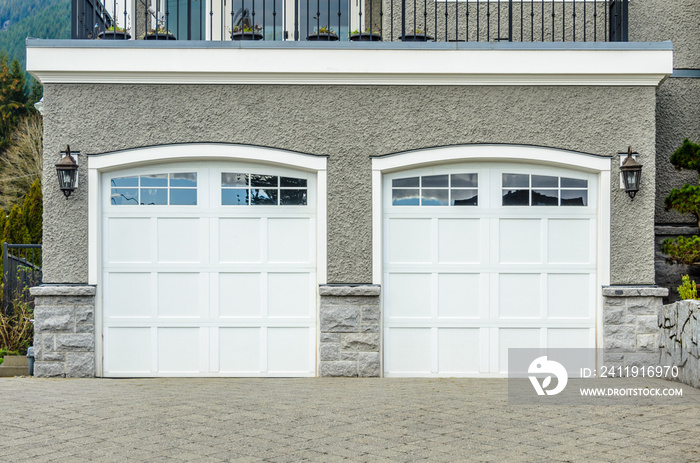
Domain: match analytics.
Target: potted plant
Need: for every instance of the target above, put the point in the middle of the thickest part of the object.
(366, 36)
(324, 33)
(159, 34)
(417, 35)
(114, 32)
(247, 32)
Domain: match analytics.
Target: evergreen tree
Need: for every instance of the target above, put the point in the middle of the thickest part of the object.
(32, 210)
(15, 228)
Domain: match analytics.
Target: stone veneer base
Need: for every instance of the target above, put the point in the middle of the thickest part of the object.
(64, 331)
(350, 330)
(630, 325)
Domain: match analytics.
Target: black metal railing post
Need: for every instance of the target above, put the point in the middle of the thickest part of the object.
(19, 272)
(403, 19)
(510, 20)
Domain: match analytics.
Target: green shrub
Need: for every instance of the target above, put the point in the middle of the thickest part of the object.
(688, 290)
(685, 200)
(17, 329)
(682, 250)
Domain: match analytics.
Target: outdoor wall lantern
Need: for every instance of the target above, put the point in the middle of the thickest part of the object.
(631, 173)
(67, 170)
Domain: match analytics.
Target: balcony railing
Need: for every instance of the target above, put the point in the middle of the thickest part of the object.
(354, 20)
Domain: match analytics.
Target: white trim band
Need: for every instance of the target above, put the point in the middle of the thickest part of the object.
(344, 66)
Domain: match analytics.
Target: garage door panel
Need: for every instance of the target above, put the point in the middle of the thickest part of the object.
(512, 234)
(459, 241)
(288, 350)
(129, 240)
(179, 295)
(408, 350)
(528, 338)
(569, 338)
(288, 240)
(179, 240)
(240, 294)
(408, 295)
(459, 295)
(410, 240)
(240, 240)
(465, 284)
(569, 241)
(569, 296)
(136, 302)
(458, 350)
(519, 295)
(205, 288)
(288, 295)
(129, 350)
(179, 350)
(239, 350)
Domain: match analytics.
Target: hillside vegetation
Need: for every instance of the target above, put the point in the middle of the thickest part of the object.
(19, 19)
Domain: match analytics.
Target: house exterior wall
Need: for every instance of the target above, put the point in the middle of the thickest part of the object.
(678, 97)
(348, 123)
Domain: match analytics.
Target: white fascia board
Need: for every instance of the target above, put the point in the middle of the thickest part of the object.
(636, 67)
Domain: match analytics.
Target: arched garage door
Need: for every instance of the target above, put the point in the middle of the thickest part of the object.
(208, 269)
(481, 257)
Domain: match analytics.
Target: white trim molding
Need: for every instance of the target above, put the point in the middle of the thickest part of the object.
(54, 62)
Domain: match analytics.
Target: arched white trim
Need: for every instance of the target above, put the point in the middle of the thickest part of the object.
(204, 152)
(505, 153)
(501, 153)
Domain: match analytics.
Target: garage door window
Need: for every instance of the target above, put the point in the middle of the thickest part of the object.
(543, 190)
(436, 190)
(239, 189)
(175, 189)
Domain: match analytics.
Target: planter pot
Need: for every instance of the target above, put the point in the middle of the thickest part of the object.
(14, 365)
(417, 38)
(246, 36)
(160, 36)
(365, 37)
(114, 35)
(323, 37)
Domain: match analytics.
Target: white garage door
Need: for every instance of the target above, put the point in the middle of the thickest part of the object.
(209, 269)
(479, 258)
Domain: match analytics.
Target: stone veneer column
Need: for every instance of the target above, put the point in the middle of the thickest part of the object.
(630, 324)
(64, 331)
(350, 330)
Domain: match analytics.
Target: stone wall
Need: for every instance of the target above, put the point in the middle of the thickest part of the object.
(350, 330)
(679, 335)
(64, 331)
(630, 324)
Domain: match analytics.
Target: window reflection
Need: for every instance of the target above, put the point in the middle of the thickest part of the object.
(545, 197)
(239, 189)
(516, 197)
(405, 197)
(546, 190)
(155, 189)
(436, 190)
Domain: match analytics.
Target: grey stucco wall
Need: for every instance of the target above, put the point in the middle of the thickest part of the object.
(349, 124)
(678, 117)
(677, 20)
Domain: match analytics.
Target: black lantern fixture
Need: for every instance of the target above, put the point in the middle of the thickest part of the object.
(67, 170)
(631, 174)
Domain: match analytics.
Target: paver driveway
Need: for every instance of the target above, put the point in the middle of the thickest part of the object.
(327, 420)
